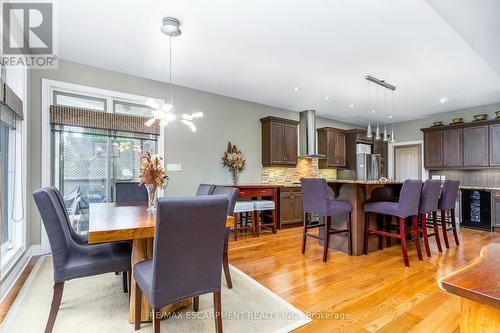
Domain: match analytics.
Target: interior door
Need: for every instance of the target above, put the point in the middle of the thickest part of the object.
(407, 162)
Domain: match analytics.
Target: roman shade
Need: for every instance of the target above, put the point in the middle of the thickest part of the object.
(80, 120)
(11, 106)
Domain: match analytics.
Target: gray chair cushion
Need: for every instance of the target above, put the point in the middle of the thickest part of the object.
(205, 189)
(130, 192)
(317, 198)
(231, 193)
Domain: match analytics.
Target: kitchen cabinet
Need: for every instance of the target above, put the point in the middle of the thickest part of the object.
(291, 210)
(433, 143)
(452, 148)
(279, 141)
(332, 143)
(495, 145)
(476, 149)
(495, 208)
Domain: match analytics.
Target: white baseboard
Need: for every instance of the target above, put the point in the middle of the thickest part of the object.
(14, 274)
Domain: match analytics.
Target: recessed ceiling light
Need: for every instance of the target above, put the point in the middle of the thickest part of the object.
(327, 98)
(390, 117)
(443, 100)
(373, 111)
(352, 105)
(296, 89)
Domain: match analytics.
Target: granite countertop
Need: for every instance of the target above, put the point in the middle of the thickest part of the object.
(485, 188)
(369, 182)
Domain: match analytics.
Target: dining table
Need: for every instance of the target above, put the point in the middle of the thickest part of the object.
(112, 222)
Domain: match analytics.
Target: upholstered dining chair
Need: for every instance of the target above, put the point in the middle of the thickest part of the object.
(170, 277)
(407, 206)
(232, 194)
(318, 199)
(429, 205)
(71, 260)
(205, 189)
(447, 204)
(130, 192)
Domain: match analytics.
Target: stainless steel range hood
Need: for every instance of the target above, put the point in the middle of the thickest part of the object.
(307, 135)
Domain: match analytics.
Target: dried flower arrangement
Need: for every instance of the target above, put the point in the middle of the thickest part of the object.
(233, 161)
(152, 172)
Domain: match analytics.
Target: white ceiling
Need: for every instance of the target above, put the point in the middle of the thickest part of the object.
(260, 50)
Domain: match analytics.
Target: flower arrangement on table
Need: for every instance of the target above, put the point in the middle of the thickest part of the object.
(233, 161)
(153, 176)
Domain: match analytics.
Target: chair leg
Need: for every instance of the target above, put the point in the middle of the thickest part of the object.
(254, 226)
(124, 282)
(137, 305)
(436, 231)
(304, 234)
(54, 307)
(236, 226)
(365, 243)
(326, 242)
(402, 233)
(225, 260)
(156, 321)
(275, 222)
(389, 223)
(218, 312)
(454, 225)
(423, 217)
(196, 303)
(443, 227)
(349, 234)
(257, 221)
(414, 220)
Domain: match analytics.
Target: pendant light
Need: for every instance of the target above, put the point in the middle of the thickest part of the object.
(386, 137)
(377, 133)
(166, 113)
(369, 134)
(393, 139)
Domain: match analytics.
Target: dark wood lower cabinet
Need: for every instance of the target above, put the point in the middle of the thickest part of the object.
(290, 206)
(495, 208)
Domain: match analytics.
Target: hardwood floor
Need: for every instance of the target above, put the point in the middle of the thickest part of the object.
(373, 293)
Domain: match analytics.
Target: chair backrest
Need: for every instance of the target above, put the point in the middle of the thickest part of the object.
(205, 189)
(430, 196)
(56, 225)
(188, 247)
(449, 194)
(76, 236)
(130, 192)
(232, 195)
(409, 198)
(315, 195)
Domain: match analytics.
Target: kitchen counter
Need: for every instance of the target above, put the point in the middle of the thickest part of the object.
(369, 182)
(481, 188)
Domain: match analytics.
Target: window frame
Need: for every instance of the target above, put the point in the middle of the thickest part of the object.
(80, 96)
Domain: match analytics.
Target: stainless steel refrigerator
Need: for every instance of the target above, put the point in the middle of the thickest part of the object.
(368, 166)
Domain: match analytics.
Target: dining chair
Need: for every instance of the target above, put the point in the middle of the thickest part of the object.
(205, 189)
(447, 204)
(71, 260)
(318, 199)
(407, 206)
(232, 194)
(429, 205)
(130, 192)
(178, 269)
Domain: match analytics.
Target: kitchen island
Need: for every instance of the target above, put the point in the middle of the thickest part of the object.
(358, 193)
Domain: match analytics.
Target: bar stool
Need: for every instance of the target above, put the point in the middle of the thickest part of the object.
(447, 203)
(261, 206)
(243, 207)
(407, 206)
(429, 204)
(318, 199)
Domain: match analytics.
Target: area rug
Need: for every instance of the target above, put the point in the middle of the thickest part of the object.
(98, 304)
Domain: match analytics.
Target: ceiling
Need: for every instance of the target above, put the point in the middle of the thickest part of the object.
(260, 50)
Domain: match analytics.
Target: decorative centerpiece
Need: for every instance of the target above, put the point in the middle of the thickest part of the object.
(437, 123)
(153, 176)
(478, 117)
(233, 161)
(457, 120)
(497, 114)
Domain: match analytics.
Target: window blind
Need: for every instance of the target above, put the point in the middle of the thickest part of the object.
(11, 106)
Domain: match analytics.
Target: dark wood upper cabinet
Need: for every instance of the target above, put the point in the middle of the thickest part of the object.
(476, 149)
(279, 141)
(495, 146)
(452, 148)
(433, 149)
(332, 143)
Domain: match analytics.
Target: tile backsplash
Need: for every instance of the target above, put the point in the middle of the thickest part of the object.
(306, 168)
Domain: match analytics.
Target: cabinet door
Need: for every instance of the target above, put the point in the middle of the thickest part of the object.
(433, 149)
(452, 148)
(285, 208)
(340, 156)
(290, 144)
(476, 150)
(495, 145)
(496, 209)
(277, 143)
(297, 207)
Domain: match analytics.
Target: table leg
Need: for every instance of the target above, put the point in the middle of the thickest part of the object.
(142, 249)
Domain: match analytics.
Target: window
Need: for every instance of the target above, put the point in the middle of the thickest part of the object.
(130, 108)
(79, 101)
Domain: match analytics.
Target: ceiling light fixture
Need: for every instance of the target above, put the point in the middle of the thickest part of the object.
(352, 105)
(165, 113)
(327, 98)
(386, 86)
(296, 89)
(443, 100)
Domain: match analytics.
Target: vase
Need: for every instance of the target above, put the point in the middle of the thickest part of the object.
(152, 196)
(235, 176)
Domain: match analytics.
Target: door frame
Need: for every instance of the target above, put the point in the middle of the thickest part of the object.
(390, 165)
(48, 88)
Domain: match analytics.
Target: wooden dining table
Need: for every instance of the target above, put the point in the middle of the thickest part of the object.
(111, 222)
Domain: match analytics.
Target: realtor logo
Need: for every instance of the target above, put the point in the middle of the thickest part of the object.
(28, 34)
